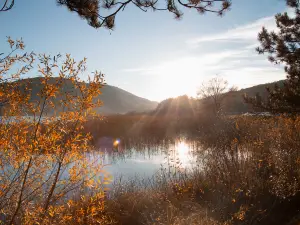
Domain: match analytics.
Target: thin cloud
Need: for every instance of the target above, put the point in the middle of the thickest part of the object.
(134, 70)
(187, 63)
(246, 33)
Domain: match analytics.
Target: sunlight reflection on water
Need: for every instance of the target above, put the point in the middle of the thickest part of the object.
(183, 153)
(144, 161)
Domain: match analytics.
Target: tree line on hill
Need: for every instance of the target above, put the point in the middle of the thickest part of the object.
(226, 103)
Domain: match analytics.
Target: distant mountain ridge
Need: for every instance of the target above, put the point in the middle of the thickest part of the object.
(115, 100)
(118, 101)
(233, 103)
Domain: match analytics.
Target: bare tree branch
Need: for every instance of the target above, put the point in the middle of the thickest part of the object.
(215, 89)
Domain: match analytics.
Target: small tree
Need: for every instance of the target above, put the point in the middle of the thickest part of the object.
(43, 157)
(282, 48)
(215, 89)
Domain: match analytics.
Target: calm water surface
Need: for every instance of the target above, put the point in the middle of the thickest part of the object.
(147, 160)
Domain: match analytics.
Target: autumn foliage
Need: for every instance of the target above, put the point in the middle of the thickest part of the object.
(44, 157)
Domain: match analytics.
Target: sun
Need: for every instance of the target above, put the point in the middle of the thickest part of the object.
(179, 77)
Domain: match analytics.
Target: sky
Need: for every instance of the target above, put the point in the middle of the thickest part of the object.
(151, 54)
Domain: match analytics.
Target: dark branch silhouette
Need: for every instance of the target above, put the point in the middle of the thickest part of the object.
(90, 9)
(7, 5)
(102, 13)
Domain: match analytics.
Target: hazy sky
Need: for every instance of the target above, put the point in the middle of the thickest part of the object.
(151, 54)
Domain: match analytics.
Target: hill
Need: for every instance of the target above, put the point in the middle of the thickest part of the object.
(119, 101)
(115, 100)
(233, 103)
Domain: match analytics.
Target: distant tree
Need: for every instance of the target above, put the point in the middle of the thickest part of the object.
(216, 89)
(103, 13)
(282, 47)
(179, 106)
(259, 101)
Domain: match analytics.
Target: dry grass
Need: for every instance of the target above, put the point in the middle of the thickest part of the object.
(251, 176)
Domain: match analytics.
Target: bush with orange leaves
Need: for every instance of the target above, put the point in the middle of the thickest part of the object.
(43, 156)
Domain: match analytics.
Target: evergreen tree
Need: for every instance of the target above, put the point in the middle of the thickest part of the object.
(282, 47)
